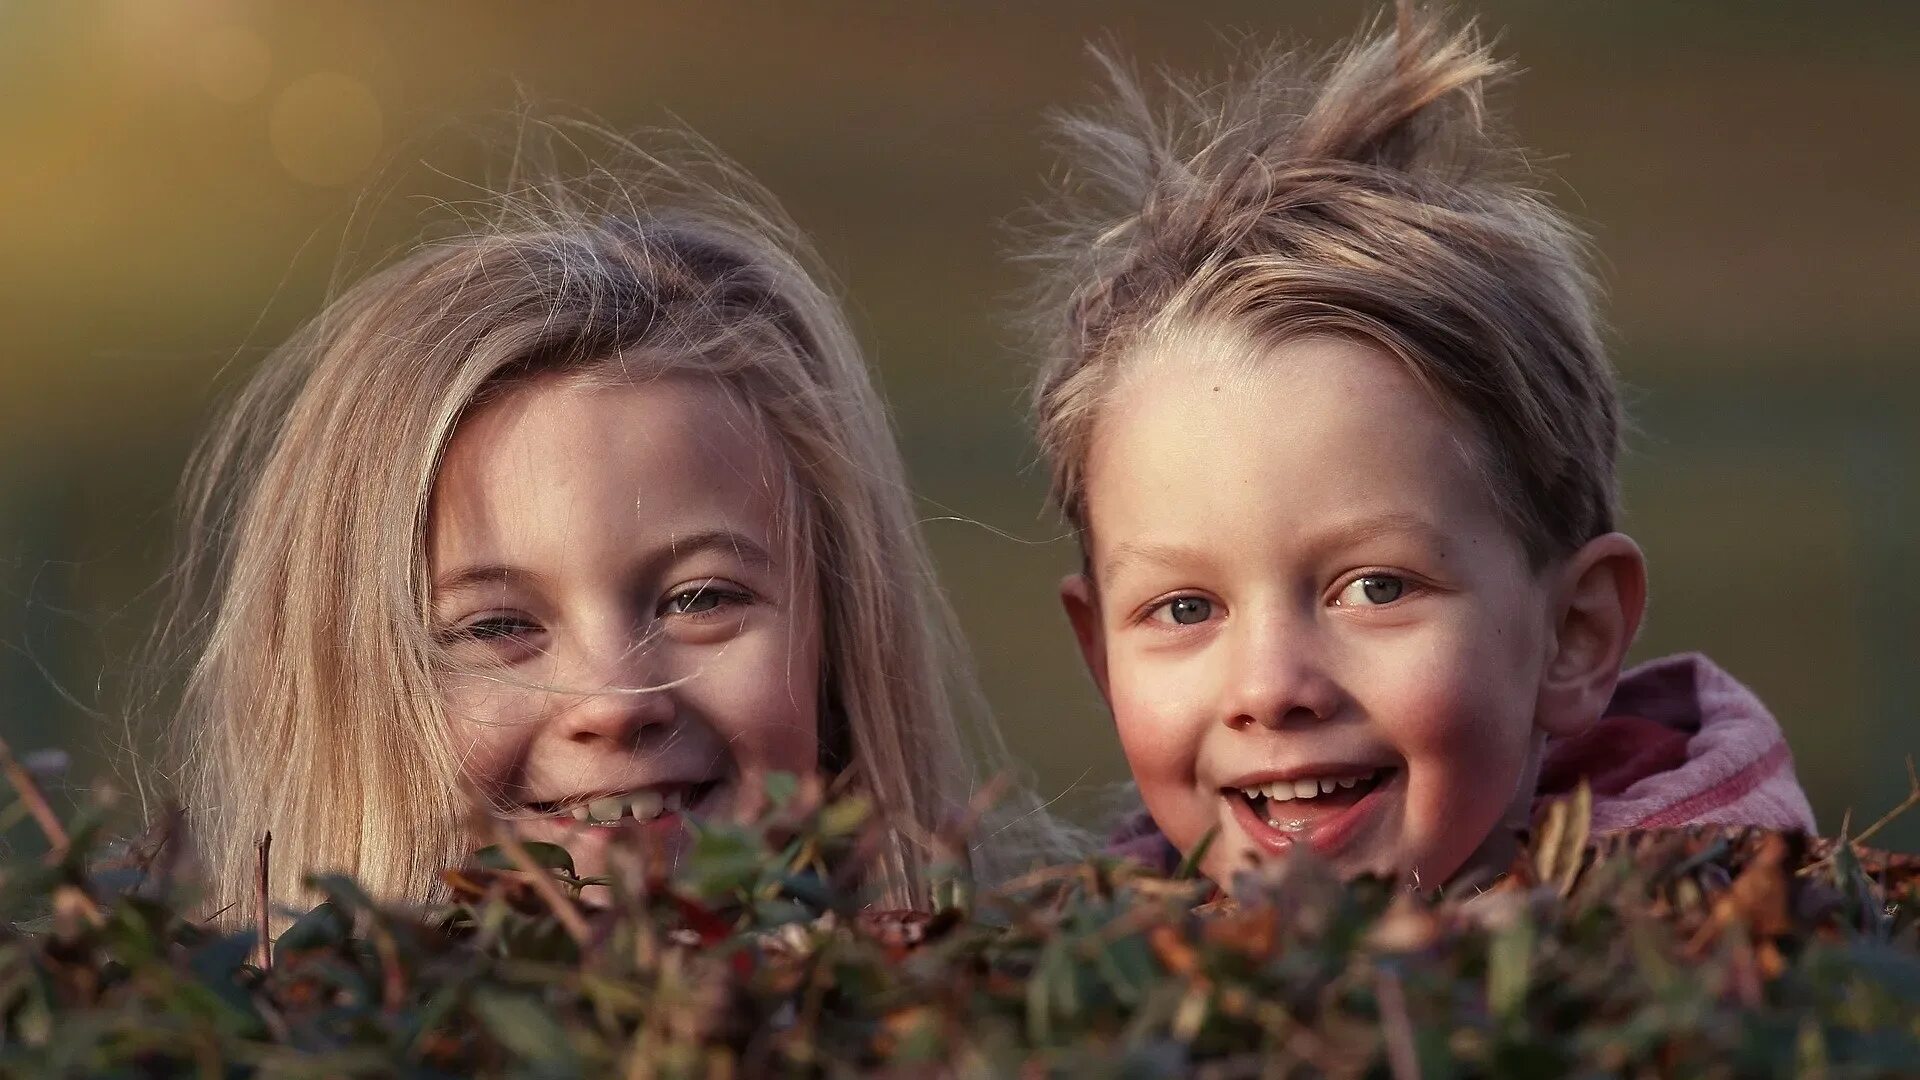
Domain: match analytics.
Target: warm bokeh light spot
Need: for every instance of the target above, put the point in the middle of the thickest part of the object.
(326, 128)
(232, 63)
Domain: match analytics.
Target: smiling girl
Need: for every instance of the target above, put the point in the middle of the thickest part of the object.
(590, 514)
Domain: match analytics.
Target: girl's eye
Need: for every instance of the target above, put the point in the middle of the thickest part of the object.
(1186, 610)
(1372, 590)
(701, 599)
(493, 628)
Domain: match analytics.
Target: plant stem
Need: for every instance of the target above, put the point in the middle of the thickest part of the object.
(263, 945)
(37, 804)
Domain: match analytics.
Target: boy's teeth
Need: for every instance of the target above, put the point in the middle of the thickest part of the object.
(1288, 790)
(606, 809)
(580, 812)
(675, 802)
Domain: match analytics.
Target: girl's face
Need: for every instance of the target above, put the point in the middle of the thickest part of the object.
(1309, 620)
(628, 639)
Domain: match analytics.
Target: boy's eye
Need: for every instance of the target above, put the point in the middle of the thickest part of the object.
(1186, 610)
(1372, 591)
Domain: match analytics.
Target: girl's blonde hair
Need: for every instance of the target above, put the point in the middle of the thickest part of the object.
(1365, 195)
(313, 709)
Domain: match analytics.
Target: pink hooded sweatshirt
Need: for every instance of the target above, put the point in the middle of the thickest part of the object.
(1681, 743)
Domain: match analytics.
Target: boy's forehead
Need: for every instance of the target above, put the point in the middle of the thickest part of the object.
(1321, 435)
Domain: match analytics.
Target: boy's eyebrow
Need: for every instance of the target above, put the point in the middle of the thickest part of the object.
(1360, 530)
(1333, 538)
(1142, 551)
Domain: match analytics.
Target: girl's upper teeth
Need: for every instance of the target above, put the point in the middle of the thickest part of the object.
(646, 805)
(640, 805)
(1287, 790)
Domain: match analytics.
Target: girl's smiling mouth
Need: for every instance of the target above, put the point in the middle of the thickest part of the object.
(605, 810)
(1325, 807)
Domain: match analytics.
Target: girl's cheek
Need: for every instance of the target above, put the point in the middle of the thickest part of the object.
(757, 691)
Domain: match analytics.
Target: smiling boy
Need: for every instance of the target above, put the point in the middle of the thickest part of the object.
(1331, 417)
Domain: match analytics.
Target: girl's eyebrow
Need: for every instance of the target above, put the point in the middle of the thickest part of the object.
(468, 577)
(730, 541)
(737, 544)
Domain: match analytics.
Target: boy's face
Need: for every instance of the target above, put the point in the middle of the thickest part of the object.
(1300, 583)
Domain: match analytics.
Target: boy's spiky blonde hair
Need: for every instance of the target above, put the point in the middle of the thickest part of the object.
(1364, 195)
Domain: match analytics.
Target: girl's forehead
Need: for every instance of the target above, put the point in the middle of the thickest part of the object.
(563, 466)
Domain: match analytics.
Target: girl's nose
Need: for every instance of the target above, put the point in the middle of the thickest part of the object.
(618, 701)
(1275, 677)
(616, 716)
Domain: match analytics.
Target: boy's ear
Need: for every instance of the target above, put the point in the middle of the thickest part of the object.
(1603, 591)
(1077, 595)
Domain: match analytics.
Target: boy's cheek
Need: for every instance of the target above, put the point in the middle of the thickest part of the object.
(1161, 748)
(1465, 756)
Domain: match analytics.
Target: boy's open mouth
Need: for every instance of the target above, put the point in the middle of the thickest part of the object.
(1313, 809)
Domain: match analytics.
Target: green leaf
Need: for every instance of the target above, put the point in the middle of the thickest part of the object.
(725, 859)
(342, 891)
(1510, 968)
(521, 1025)
(844, 817)
(550, 856)
(325, 927)
(1189, 867)
(780, 788)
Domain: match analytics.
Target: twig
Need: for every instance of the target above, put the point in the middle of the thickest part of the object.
(393, 984)
(262, 945)
(542, 881)
(37, 805)
(1397, 1028)
(1912, 800)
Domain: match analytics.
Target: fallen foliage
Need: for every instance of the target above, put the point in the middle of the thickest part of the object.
(1692, 952)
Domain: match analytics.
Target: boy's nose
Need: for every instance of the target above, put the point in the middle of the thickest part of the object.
(1275, 679)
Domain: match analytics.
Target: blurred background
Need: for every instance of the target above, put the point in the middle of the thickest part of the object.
(183, 179)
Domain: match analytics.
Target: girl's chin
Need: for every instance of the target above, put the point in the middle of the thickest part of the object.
(622, 849)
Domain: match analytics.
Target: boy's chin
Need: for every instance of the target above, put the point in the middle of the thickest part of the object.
(1354, 836)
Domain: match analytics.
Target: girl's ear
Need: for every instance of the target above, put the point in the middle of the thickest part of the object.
(1082, 602)
(1603, 591)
